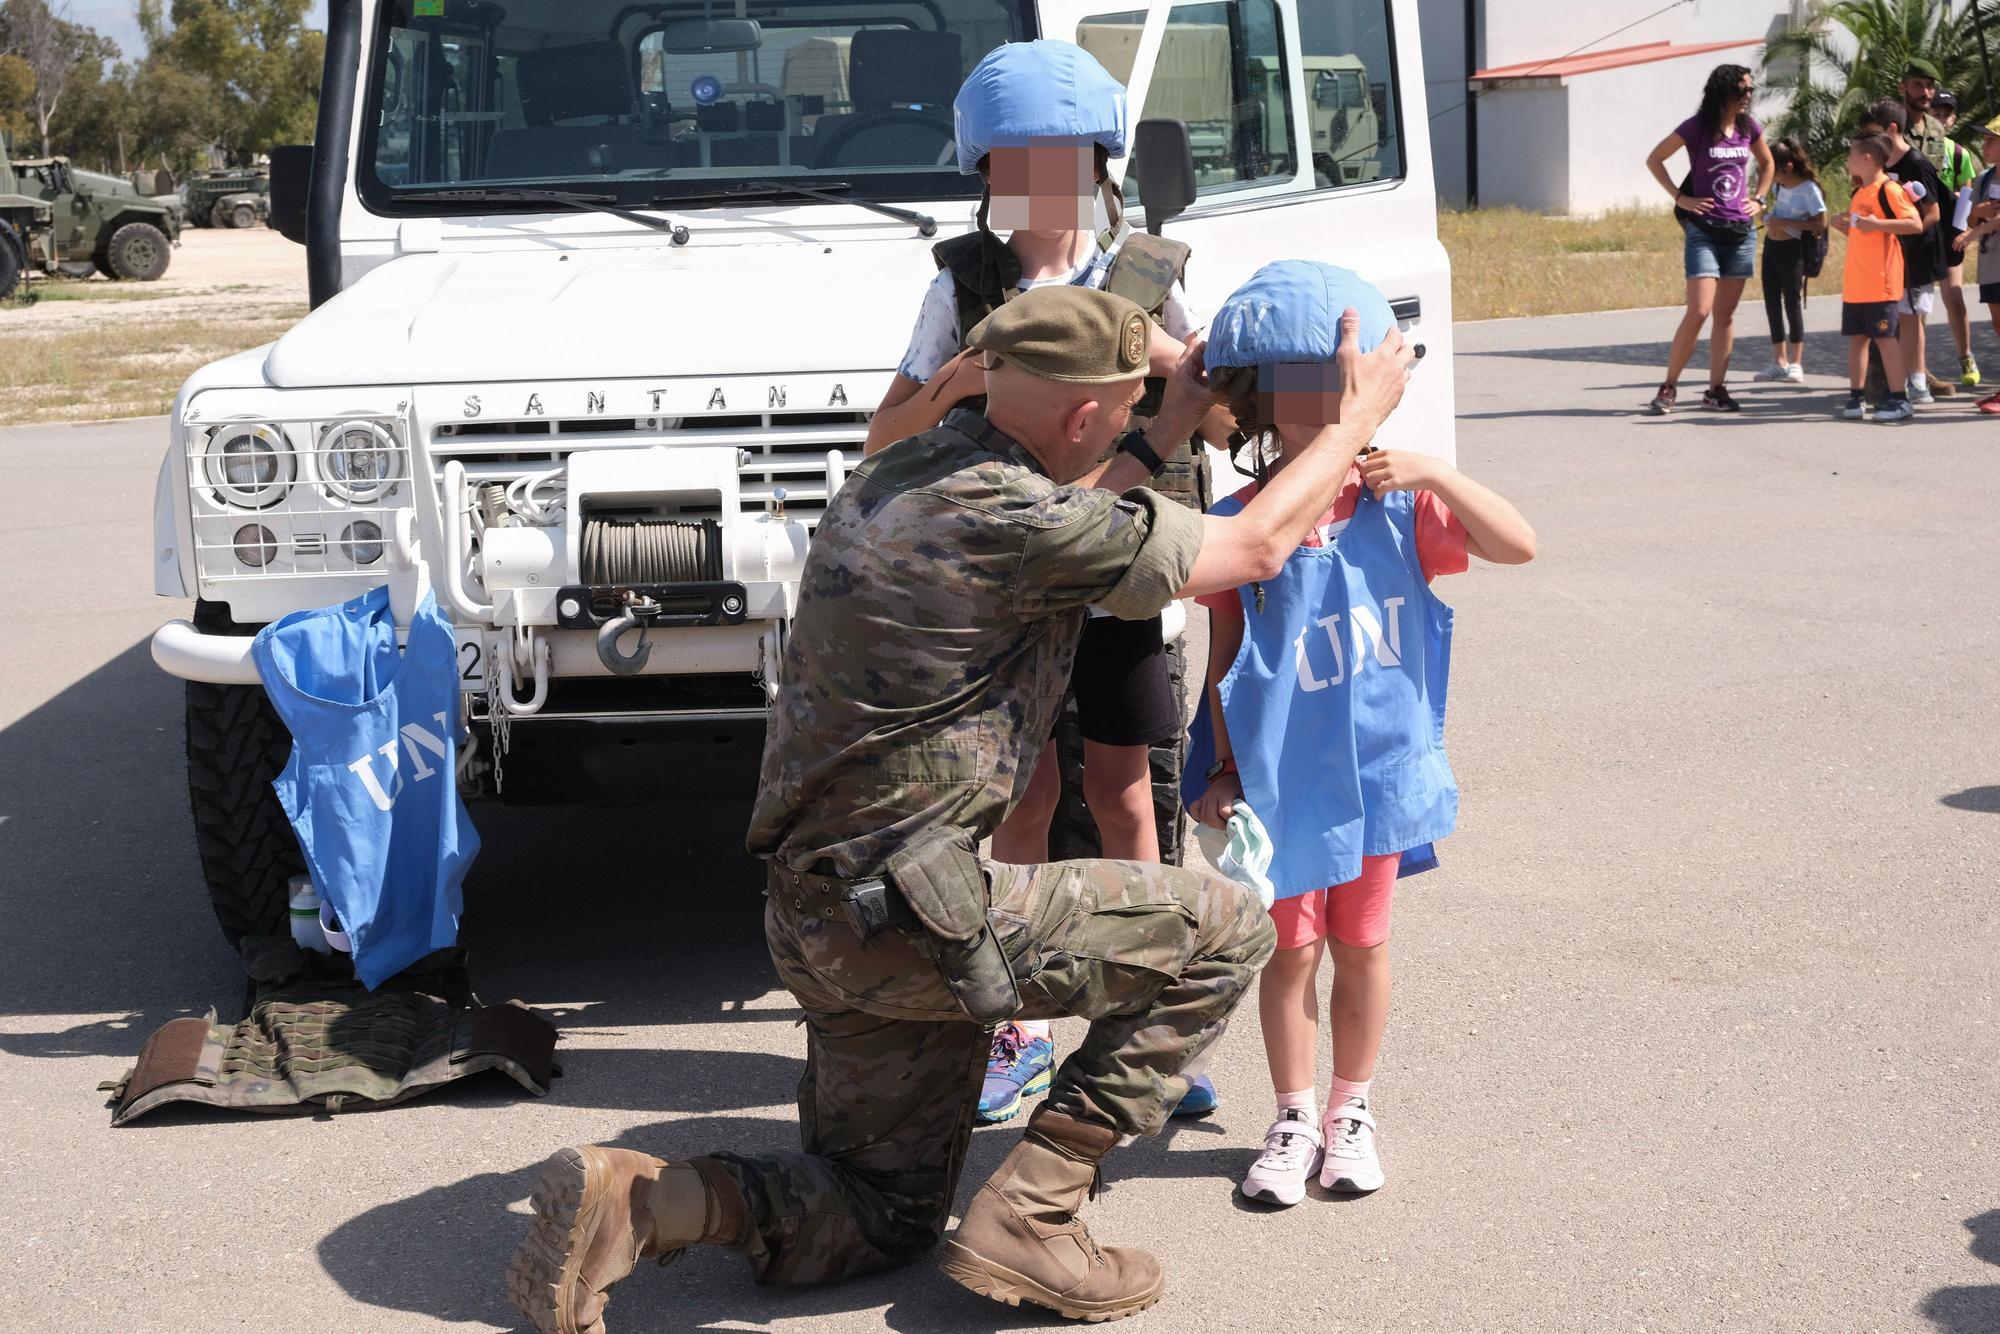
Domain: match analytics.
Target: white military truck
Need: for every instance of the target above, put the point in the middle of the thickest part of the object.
(603, 294)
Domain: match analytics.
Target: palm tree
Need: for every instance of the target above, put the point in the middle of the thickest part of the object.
(1829, 80)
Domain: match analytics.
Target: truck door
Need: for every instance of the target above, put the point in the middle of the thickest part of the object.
(1306, 118)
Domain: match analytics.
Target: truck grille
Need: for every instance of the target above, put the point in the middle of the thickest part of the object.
(778, 449)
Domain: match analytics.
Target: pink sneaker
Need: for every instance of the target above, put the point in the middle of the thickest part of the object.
(1351, 1164)
(1291, 1155)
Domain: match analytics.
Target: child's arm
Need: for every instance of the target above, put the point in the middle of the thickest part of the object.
(912, 406)
(1225, 641)
(1494, 529)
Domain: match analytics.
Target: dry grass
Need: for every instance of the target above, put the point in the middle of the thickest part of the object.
(1506, 262)
(130, 368)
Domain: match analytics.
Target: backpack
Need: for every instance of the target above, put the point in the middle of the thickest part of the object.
(1817, 244)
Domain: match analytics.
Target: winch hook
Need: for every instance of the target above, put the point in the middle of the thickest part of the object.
(615, 662)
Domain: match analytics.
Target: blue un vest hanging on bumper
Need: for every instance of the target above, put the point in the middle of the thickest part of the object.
(371, 788)
(1335, 704)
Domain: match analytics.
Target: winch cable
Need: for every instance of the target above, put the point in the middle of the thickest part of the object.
(651, 551)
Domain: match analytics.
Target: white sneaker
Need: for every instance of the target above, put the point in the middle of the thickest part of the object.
(1920, 394)
(1351, 1163)
(1292, 1150)
(1795, 373)
(1773, 374)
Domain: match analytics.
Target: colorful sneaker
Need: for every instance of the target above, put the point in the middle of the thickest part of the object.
(1019, 1066)
(1857, 406)
(1716, 399)
(1663, 402)
(1351, 1164)
(1293, 1147)
(1773, 373)
(1919, 394)
(1199, 1100)
(1968, 373)
(1990, 405)
(1795, 374)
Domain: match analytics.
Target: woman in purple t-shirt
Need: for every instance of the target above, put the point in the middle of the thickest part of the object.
(1718, 212)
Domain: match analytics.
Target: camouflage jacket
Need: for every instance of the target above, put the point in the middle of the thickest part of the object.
(938, 615)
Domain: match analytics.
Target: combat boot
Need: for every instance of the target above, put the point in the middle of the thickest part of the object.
(1020, 1238)
(598, 1212)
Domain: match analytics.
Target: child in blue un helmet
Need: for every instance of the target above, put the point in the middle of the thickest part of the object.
(1324, 711)
(1039, 122)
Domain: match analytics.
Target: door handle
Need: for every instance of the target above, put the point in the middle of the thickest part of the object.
(1407, 309)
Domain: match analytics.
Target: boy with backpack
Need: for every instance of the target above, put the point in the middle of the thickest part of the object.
(1872, 288)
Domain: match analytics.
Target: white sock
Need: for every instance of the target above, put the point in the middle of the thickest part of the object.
(1305, 1100)
(1920, 381)
(1034, 1028)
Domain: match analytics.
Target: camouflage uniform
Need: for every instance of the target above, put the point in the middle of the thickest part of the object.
(939, 611)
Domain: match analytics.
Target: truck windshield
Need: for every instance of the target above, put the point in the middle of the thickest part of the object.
(650, 102)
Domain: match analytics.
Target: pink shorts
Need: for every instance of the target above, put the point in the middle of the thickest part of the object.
(1356, 913)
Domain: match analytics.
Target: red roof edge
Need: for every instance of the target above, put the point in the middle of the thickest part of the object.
(1617, 57)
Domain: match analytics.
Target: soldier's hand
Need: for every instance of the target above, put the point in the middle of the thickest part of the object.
(1372, 385)
(1188, 396)
(1214, 807)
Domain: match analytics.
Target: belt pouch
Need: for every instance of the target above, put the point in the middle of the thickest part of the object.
(942, 881)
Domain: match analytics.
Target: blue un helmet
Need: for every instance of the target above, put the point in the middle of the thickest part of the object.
(1289, 311)
(1034, 90)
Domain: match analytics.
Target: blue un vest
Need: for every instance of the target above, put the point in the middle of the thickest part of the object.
(372, 788)
(1335, 704)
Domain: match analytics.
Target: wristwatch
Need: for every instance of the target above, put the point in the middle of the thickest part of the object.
(1140, 448)
(1225, 765)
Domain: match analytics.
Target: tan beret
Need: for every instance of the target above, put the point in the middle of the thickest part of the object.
(1076, 335)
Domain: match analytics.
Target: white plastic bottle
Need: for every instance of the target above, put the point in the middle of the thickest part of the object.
(304, 900)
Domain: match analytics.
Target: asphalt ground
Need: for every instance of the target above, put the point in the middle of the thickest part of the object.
(1695, 1029)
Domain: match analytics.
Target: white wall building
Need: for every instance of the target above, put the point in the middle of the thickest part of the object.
(1569, 133)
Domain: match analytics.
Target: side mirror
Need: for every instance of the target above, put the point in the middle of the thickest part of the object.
(291, 184)
(1163, 160)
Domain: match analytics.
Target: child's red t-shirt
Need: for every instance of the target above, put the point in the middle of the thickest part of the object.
(1440, 536)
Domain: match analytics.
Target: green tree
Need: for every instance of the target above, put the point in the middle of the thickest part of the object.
(1854, 52)
(60, 54)
(259, 57)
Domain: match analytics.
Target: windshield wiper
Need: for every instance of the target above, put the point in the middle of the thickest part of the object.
(588, 203)
(833, 192)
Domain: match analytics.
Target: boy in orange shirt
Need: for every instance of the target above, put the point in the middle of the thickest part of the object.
(1872, 282)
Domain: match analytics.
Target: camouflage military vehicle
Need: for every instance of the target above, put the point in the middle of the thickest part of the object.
(229, 198)
(101, 221)
(26, 229)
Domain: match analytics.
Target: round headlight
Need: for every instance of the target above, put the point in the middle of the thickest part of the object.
(362, 541)
(360, 461)
(250, 464)
(256, 545)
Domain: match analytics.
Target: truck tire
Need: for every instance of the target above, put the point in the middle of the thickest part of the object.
(138, 252)
(243, 216)
(236, 744)
(10, 266)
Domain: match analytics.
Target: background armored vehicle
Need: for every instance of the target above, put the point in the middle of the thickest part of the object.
(603, 296)
(27, 229)
(101, 221)
(229, 198)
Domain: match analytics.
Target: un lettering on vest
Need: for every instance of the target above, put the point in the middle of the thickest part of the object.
(416, 739)
(1382, 634)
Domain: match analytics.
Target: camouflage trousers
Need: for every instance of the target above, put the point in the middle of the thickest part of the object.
(1156, 957)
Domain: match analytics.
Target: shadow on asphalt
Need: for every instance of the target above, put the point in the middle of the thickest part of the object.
(1971, 1310)
(607, 919)
(1985, 799)
(374, 1258)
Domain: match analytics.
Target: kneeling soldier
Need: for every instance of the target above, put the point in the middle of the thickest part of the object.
(941, 605)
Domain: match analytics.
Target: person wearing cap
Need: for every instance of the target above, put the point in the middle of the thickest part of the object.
(1956, 168)
(1324, 709)
(1977, 217)
(943, 598)
(1040, 122)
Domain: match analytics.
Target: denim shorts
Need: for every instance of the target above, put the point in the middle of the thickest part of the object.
(1707, 257)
